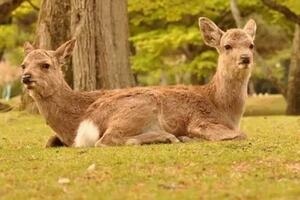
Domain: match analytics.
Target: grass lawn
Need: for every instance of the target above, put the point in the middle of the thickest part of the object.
(266, 166)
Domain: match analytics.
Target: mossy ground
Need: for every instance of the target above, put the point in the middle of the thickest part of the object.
(265, 166)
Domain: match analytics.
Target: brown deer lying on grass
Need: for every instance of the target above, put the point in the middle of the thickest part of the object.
(150, 114)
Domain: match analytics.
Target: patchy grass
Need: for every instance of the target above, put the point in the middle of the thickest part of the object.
(265, 105)
(266, 166)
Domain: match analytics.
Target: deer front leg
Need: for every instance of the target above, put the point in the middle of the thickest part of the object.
(152, 137)
(54, 141)
(216, 132)
(111, 138)
(185, 139)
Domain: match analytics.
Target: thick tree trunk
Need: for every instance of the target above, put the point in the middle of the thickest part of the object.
(292, 16)
(101, 56)
(293, 92)
(53, 29)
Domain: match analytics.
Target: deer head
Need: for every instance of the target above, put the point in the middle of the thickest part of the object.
(235, 47)
(42, 74)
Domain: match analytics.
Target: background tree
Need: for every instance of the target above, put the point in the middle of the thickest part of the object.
(53, 29)
(293, 92)
(101, 56)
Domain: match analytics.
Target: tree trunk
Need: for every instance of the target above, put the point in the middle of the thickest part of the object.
(53, 29)
(293, 92)
(101, 56)
(292, 95)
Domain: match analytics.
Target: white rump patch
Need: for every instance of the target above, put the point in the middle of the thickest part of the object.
(87, 134)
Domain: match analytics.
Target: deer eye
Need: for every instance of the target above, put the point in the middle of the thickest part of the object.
(45, 66)
(23, 66)
(251, 46)
(228, 47)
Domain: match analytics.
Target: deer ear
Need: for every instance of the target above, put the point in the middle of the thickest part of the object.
(211, 33)
(65, 50)
(28, 48)
(250, 28)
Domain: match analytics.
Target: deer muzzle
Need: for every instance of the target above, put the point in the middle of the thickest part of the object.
(26, 79)
(244, 59)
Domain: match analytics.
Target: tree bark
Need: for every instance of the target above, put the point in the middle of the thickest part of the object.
(293, 92)
(53, 29)
(101, 56)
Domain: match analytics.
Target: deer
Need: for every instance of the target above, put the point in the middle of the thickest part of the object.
(145, 115)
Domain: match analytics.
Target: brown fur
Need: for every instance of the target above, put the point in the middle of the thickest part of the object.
(150, 114)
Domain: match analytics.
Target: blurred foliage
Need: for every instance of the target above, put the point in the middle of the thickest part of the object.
(14, 34)
(167, 43)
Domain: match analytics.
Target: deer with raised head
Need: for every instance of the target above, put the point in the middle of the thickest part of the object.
(145, 115)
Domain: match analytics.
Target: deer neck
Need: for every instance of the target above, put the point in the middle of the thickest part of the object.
(63, 111)
(231, 93)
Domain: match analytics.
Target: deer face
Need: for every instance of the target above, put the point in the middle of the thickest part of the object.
(42, 73)
(235, 46)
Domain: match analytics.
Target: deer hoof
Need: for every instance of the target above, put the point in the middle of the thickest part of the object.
(172, 139)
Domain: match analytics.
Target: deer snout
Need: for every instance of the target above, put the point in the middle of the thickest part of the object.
(26, 78)
(245, 59)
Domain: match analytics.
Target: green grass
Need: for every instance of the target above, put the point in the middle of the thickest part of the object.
(266, 166)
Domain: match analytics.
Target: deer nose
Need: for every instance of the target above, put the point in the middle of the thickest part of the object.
(26, 78)
(245, 59)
